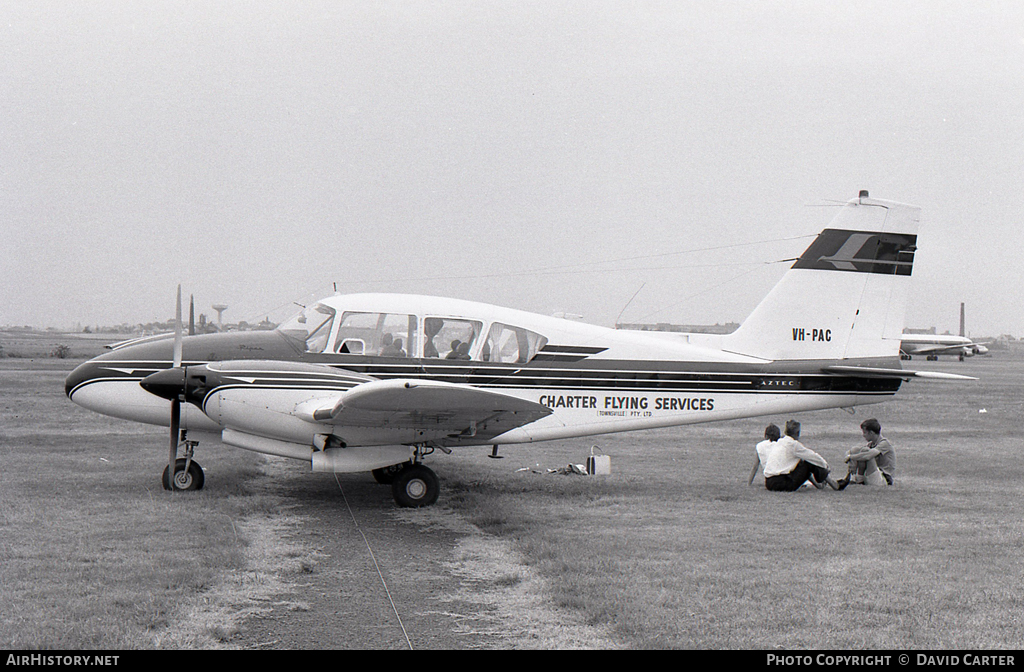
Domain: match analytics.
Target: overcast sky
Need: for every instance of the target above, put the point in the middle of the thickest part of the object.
(549, 156)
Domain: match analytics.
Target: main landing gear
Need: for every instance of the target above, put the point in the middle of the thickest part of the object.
(188, 475)
(412, 484)
(415, 486)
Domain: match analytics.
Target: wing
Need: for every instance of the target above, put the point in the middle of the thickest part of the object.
(461, 410)
(938, 349)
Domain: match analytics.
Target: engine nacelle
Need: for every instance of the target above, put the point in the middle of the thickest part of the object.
(337, 460)
(355, 459)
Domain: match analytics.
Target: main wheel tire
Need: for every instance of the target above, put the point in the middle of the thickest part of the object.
(193, 479)
(386, 475)
(415, 486)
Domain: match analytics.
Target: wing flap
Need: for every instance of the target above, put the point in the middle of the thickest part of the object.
(938, 349)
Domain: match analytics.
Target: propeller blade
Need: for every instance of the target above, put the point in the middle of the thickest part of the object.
(175, 402)
(177, 330)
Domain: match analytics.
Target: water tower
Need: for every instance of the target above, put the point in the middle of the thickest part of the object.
(220, 308)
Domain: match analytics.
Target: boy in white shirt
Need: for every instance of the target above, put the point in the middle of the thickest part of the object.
(790, 464)
(771, 435)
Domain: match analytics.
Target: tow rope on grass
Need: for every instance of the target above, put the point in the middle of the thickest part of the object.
(375, 564)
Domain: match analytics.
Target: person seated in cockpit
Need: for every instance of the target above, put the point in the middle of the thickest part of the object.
(392, 347)
(454, 352)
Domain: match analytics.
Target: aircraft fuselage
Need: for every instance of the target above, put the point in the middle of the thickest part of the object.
(587, 389)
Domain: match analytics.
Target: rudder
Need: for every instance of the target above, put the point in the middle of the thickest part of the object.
(846, 296)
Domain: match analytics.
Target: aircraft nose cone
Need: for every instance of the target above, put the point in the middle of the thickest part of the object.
(76, 378)
(169, 383)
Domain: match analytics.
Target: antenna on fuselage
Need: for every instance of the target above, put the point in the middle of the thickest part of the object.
(627, 304)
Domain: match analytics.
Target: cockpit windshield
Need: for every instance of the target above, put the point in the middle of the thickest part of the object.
(311, 327)
(405, 334)
(506, 343)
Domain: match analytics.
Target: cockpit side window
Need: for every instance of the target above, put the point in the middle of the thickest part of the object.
(450, 337)
(375, 334)
(509, 344)
(311, 327)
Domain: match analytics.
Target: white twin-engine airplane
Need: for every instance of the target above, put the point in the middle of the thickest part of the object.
(375, 382)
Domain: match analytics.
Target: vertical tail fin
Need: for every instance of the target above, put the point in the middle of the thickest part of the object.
(845, 297)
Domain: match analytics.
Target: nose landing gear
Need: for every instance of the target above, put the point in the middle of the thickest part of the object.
(188, 475)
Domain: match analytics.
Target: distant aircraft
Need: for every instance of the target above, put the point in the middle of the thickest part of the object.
(932, 345)
(376, 382)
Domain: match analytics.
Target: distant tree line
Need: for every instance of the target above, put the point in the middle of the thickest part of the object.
(203, 326)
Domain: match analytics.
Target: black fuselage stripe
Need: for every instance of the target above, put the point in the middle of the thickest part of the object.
(440, 367)
(573, 349)
(543, 378)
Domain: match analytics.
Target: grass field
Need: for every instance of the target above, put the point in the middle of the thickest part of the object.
(23, 344)
(676, 550)
(673, 550)
(93, 553)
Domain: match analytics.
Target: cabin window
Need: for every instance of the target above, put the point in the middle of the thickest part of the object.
(375, 334)
(450, 337)
(311, 327)
(508, 344)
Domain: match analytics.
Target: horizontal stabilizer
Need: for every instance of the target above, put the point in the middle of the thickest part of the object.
(874, 372)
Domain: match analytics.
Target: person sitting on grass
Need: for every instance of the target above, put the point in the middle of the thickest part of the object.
(771, 435)
(873, 464)
(791, 464)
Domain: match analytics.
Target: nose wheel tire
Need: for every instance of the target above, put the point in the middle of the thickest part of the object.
(190, 479)
(415, 486)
